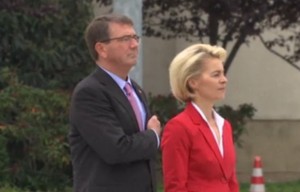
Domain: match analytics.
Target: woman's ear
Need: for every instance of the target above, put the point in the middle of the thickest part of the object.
(192, 83)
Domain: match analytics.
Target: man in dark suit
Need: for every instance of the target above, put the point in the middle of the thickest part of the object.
(113, 142)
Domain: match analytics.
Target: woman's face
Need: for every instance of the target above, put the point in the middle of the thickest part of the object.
(210, 84)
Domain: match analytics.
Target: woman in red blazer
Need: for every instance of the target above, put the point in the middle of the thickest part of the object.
(197, 146)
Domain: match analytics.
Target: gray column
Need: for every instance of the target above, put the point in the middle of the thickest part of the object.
(133, 9)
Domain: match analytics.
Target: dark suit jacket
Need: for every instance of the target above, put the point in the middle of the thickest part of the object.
(109, 153)
(192, 161)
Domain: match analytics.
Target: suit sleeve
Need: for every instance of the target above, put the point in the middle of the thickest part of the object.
(95, 117)
(175, 153)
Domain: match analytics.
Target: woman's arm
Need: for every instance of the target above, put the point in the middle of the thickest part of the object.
(175, 152)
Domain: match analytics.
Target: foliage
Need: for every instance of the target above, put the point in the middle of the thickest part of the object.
(42, 40)
(4, 158)
(166, 107)
(104, 2)
(8, 188)
(293, 186)
(226, 22)
(237, 117)
(34, 150)
(284, 18)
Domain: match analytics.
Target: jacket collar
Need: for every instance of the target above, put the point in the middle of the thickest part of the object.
(202, 126)
(115, 91)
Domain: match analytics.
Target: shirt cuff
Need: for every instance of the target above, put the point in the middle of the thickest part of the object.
(157, 138)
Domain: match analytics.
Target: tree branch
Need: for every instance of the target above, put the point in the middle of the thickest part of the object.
(277, 54)
(234, 50)
(230, 32)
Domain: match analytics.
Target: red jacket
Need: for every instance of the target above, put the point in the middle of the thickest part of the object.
(191, 158)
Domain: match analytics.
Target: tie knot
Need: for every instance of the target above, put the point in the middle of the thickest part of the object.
(128, 89)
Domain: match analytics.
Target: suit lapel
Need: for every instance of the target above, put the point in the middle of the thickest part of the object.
(201, 124)
(114, 90)
(142, 98)
(228, 149)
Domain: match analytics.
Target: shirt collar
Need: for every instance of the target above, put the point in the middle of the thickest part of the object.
(219, 120)
(121, 82)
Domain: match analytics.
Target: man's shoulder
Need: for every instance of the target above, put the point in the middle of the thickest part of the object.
(88, 82)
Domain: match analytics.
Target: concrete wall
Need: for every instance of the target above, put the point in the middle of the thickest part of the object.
(259, 77)
(277, 142)
(157, 55)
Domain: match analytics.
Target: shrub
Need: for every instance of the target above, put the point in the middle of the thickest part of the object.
(238, 118)
(34, 149)
(4, 162)
(164, 106)
(43, 41)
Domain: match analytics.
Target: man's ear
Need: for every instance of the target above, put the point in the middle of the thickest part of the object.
(101, 49)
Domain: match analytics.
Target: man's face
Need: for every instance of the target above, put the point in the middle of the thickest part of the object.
(122, 49)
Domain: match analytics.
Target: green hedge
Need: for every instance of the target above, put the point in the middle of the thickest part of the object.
(33, 138)
(43, 41)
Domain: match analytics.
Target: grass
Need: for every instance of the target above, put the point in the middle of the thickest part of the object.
(270, 187)
(276, 187)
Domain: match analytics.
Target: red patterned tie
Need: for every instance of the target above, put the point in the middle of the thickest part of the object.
(128, 90)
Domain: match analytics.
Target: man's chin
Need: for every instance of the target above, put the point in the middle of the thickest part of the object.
(133, 63)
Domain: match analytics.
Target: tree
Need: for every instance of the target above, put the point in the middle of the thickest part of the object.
(225, 21)
(284, 16)
(42, 41)
(41, 46)
(34, 148)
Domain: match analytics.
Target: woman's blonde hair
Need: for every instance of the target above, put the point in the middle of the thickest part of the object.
(187, 64)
